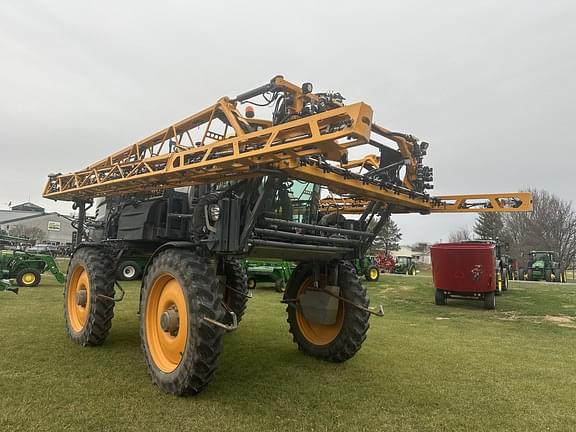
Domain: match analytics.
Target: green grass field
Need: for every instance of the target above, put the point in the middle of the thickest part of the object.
(422, 368)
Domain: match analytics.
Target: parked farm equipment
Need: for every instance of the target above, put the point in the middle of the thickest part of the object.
(465, 270)
(543, 266)
(404, 265)
(220, 185)
(27, 269)
(367, 267)
(276, 272)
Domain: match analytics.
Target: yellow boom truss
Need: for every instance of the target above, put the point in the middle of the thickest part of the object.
(220, 144)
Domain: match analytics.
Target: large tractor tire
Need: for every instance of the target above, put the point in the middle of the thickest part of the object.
(372, 274)
(336, 342)
(88, 304)
(529, 275)
(181, 348)
(28, 277)
(236, 290)
(548, 276)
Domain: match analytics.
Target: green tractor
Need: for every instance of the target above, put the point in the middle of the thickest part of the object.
(404, 265)
(367, 266)
(543, 265)
(27, 269)
(273, 271)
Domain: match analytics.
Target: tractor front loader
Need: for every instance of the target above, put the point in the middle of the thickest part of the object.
(27, 269)
(221, 185)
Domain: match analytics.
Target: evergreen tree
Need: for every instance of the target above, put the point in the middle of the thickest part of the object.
(388, 239)
(489, 226)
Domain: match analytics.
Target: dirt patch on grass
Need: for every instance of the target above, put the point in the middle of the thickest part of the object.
(559, 320)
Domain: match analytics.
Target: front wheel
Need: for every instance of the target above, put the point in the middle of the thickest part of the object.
(372, 274)
(181, 348)
(337, 341)
(28, 278)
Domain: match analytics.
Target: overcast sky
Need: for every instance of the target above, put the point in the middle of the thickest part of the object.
(491, 84)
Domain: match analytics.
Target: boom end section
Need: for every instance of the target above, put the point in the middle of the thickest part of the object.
(483, 203)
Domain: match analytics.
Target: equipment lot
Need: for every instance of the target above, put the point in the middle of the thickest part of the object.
(423, 367)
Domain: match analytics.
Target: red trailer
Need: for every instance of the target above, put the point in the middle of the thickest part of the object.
(465, 270)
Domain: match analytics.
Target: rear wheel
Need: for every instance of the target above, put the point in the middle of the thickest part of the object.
(490, 301)
(372, 274)
(548, 275)
(529, 275)
(440, 298)
(251, 283)
(181, 349)
(28, 278)
(340, 340)
(236, 290)
(88, 296)
(413, 271)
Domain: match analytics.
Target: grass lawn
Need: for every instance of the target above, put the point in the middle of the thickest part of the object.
(422, 368)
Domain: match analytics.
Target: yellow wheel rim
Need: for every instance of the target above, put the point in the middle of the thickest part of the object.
(373, 274)
(499, 281)
(318, 334)
(251, 283)
(166, 298)
(78, 299)
(28, 278)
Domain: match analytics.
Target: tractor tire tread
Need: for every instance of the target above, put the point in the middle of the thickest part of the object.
(204, 299)
(99, 265)
(236, 277)
(355, 325)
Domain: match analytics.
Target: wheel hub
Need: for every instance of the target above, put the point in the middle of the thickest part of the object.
(170, 321)
(81, 298)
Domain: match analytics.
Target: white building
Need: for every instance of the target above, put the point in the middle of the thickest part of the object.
(57, 228)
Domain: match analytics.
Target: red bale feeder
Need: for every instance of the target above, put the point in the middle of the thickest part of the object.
(465, 270)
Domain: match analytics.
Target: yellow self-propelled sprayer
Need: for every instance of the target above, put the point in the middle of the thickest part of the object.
(220, 185)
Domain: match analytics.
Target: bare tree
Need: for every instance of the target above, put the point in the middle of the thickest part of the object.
(32, 233)
(550, 226)
(461, 234)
